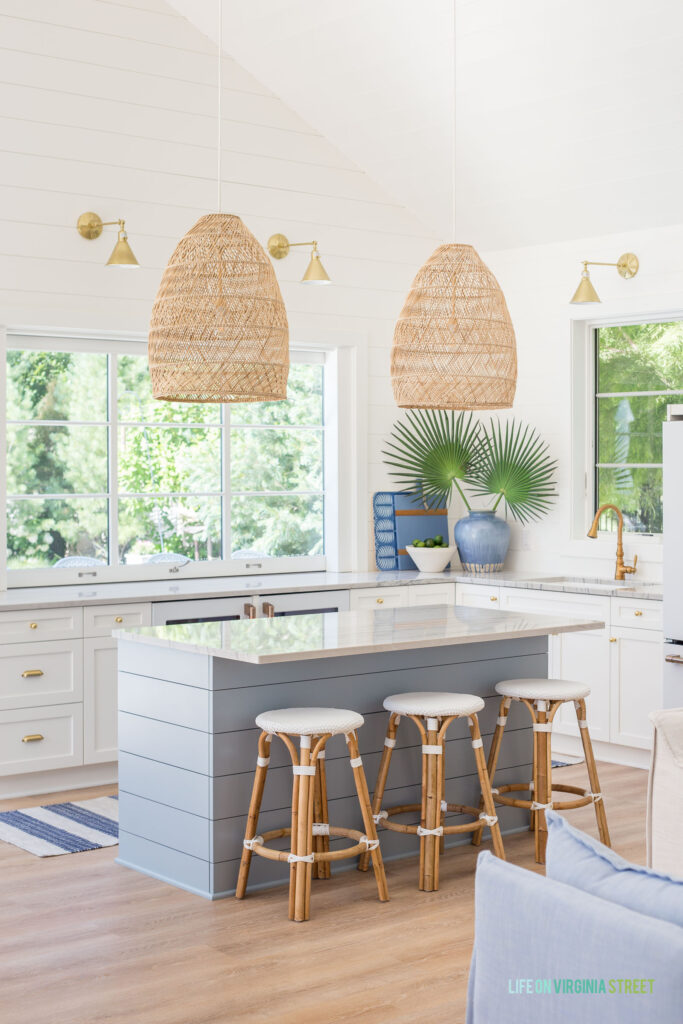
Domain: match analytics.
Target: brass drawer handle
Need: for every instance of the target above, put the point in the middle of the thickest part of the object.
(33, 625)
(119, 618)
(380, 600)
(32, 738)
(493, 599)
(250, 610)
(268, 609)
(674, 659)
(31, 673)
(637, 614)
(612, 639)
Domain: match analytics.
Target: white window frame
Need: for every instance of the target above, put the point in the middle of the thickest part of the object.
(344, 456)
(583, 455)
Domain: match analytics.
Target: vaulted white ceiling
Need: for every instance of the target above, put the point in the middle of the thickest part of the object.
(568, 113)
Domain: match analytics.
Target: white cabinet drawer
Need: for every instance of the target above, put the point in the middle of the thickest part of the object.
(379, 597)
(544, 602)
(40, 739)
(40, 624)
(477, 595)
(432, 593)
(32, 675)
(635, 614)
(103, 619)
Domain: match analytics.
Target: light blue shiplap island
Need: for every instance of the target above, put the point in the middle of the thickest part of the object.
(188, 696)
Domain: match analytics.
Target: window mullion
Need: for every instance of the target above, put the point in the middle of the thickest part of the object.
(112, 365)
(226, 544)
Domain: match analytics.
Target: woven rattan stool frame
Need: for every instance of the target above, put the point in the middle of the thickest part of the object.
(310, 855)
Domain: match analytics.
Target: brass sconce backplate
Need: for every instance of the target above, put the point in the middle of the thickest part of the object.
(278, 246)
(89, 225)
(627, 265)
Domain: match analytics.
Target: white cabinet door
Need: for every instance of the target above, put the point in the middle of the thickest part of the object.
(379, 597)
(582, 656)
(431, 593)
(477, 595)
(637, 674)
(100, 703)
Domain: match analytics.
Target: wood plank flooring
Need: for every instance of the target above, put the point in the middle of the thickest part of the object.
(84, 941)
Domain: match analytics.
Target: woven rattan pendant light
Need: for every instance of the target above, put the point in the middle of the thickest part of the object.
(219, 328)
(454, 343)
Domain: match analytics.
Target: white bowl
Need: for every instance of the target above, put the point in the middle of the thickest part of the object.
(431, 561)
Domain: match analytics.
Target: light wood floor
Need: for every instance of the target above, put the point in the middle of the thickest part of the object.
(84, 941)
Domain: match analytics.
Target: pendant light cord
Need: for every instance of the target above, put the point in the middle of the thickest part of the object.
(220, 106)
(453, 137)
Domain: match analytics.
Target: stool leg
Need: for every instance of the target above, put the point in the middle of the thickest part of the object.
(366, 811)
(378, 796)
(599, 805)
(494, 752)
(321, 844)
(432, 809)
(485, 784)
(542, 780)
(304, 835)
(254, 808)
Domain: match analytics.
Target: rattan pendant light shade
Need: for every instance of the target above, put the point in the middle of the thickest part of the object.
(454, 344)
(219, 328)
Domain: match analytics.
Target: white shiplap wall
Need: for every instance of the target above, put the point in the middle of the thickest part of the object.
(109, 105)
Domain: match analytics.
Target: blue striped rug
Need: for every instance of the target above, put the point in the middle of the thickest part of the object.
(63, 828)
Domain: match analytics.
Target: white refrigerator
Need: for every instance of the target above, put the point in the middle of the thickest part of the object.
(673, 557)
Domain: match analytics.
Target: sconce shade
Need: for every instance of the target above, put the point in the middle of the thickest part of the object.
(585, 292)
(122, 254)
(219, 329)
(454, 343)
(315, 272)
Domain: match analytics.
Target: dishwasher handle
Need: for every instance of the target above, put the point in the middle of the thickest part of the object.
(674, 659)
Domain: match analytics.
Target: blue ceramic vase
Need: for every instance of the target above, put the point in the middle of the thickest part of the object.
(482, 540)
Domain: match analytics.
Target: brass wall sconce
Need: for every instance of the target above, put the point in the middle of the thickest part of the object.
(627, 267)
(90, 226)
(279, 246)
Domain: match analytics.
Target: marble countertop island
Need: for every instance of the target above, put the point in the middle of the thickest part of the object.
(366, 631)
(189, 695)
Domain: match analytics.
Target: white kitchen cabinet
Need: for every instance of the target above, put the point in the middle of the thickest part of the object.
(477, 595)
(584, 656)
(379, 597)
(637, 674)
(100, 700)
(431, 593)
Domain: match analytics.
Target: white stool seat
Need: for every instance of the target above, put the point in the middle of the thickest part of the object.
(309, 721)
(433, 704)
(542, 689)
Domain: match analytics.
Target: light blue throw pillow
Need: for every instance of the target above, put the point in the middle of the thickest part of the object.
(576, 859)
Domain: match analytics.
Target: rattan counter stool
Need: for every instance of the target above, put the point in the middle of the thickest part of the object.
(310, 829)
(432, 713)
(543, 698)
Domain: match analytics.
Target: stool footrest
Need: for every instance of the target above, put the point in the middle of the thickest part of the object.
(558, 805)
(362, 845)
(398, 826)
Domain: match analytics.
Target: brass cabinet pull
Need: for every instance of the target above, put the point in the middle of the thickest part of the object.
(119, 618)
(33, 625)
(30, 673)
(674, 659)
(250, 610)
(380, 600)
(612, 639)
(268, 609)
(493, 599)
(32, 738)
(637, 613)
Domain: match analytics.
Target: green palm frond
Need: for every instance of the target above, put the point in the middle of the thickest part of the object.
(515, 465)
(430, 452)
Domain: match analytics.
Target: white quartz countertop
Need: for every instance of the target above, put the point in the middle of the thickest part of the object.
(175, 589)
(325, 635)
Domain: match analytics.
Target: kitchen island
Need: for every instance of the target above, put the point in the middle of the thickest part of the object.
(189, 694)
